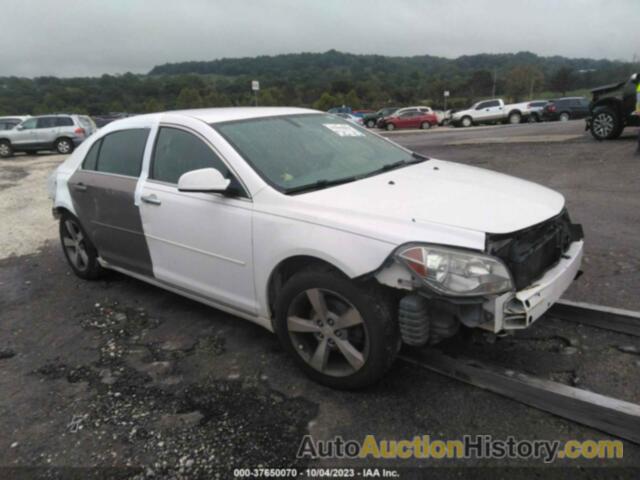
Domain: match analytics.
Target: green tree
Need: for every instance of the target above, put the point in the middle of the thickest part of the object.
(562, 80)
(189, 98)
(325, 102)
(521, 81)
(352, 100)
(153, 105)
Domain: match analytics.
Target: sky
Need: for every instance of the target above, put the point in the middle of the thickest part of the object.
(91, 37)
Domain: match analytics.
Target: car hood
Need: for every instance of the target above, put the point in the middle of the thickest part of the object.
(438, 193)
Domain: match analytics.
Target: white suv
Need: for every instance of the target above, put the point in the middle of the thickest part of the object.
(341, 241)
(61, 133)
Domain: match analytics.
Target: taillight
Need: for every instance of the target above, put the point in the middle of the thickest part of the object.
(551, 108)
(80, 131)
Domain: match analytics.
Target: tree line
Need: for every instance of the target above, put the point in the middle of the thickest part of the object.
(319, 80)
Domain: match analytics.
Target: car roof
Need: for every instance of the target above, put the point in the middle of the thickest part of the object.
(215, 115)
(207, 115)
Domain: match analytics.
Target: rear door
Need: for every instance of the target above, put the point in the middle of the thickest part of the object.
(103, 195)
(47, 130)
(199, 242)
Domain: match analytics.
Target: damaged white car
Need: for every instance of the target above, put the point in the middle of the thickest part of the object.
(342, 242)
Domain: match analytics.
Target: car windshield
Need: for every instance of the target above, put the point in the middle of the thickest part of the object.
(309, 151)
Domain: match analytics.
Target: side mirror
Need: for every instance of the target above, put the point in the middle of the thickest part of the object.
(19, 127)
(203, 180)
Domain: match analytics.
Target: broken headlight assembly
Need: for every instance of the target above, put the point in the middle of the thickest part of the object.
(453, 272)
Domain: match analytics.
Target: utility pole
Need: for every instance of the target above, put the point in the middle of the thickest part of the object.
(495, 76)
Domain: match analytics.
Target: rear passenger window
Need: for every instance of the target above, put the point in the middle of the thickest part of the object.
(121, 152)
(91, 160)
(46, 122)
(178, 152)
(64, 122)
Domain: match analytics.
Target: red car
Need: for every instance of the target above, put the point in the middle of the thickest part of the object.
(411, 119)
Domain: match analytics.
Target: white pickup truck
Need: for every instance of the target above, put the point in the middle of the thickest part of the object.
(491, 111)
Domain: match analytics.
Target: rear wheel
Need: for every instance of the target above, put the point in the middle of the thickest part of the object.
(5, 149)
(515, 118)
(605, 124)
(425, 126)
(341, 334)
(64, 146)
(78, 249)
(564, 117)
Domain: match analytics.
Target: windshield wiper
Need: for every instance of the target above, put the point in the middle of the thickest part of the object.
(319, 184)
(417, 158)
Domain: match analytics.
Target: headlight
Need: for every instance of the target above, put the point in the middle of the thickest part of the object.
(456, 272)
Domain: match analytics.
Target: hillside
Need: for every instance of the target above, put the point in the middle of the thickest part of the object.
(320, 80)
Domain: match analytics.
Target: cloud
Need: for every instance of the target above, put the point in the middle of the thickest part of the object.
(92, 37)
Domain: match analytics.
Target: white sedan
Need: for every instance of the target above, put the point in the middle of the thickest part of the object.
(342, 242)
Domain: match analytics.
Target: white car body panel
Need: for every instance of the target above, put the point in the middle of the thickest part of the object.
(223, 250)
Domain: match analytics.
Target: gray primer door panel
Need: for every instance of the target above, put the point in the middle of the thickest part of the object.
(106, 208)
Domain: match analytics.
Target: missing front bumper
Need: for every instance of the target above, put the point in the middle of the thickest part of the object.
(513, 311)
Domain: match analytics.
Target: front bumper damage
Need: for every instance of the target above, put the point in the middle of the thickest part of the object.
(518, 310)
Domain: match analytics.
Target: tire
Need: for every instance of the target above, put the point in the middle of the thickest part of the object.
(564, 117)
(63, 146)
(80, 253)
(390, 127)
(371, 337)
(515, 118)
(605, 124)
(466, 122)
(425, 126)
(371, 123)
(5, 149)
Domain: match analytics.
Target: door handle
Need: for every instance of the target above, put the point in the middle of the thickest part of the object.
(151, 199)
(81, 187)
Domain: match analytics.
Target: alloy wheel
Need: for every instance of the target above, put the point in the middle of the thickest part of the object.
(328, 332)
(64, 146)
(74, 244)
(603, 125)
(5, 150)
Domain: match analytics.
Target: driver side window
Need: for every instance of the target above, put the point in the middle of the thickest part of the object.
(177, 152)
(29, 124)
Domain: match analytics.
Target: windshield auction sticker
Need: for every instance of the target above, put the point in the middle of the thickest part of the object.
(343, 130)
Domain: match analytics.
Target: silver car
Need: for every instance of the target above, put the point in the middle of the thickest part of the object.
(47, 132)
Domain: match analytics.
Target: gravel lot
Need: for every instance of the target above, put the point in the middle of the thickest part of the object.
(135, 381)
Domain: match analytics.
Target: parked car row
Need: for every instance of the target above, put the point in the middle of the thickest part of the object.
(483, 112)
(61, 132)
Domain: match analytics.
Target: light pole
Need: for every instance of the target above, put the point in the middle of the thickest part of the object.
(255, 86)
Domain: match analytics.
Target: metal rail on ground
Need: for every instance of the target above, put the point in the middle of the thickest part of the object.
(614, 319)
(615, 417)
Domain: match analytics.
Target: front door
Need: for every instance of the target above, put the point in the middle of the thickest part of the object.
(199, 242)
(103, 195)
(25, 134)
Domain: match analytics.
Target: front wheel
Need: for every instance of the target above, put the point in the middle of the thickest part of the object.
(5, 149)
(390, 127)
(605, 124)
(466, 122)
(341, 334)
(371, 123)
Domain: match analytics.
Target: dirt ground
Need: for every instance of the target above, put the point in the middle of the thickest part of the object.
(120, 379)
